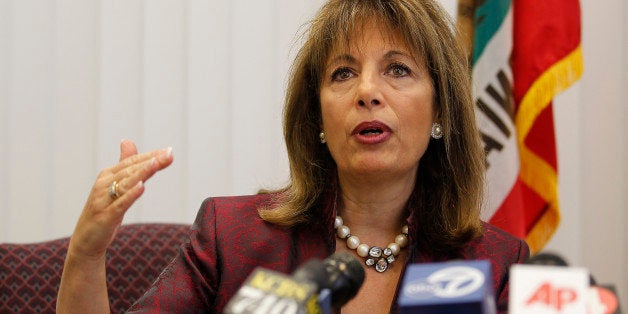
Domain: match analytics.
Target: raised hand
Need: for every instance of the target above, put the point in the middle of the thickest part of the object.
(83, 283)
(115, 190)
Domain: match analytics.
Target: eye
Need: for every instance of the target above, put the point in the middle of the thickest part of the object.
(398, 70)
(342, 74)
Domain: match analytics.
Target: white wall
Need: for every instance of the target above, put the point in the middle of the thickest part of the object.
(207, 77)
(592, 140)
(77, 76)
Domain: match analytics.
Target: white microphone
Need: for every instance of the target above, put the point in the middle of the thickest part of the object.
(544, 285)
(450, 287)
(559, 295)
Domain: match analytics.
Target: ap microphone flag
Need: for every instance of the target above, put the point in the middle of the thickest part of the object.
(450, 287)
(537, 289)
(546, 284)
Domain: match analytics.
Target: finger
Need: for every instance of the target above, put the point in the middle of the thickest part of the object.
(163, 156)
(130, 176)
(146, 167)
(119, 206)
(127, 149)
(109, 189)
(97, 228)
(133, 170)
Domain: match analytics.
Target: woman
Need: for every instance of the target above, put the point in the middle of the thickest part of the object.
(383, 150)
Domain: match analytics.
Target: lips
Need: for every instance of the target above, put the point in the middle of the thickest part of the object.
(371, 132)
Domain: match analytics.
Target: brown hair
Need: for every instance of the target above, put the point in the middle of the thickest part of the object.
(449, 186)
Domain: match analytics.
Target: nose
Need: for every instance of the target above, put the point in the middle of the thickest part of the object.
(373, 102)
(368, 93)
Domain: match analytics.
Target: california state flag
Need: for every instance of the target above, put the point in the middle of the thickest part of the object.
(524, 53)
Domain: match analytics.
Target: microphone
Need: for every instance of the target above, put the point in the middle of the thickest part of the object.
(544, 284)
(450, 287)
(603, 300)
(315, 287)
(546, 259)
(598, 299)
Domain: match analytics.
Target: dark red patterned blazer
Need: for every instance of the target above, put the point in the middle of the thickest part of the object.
(228, 240)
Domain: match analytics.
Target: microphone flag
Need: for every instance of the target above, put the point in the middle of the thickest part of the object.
(548, 289)
(267, 291)
(317, 287)
(451, 287)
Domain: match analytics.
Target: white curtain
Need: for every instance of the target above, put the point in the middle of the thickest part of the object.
(77, 76)
(207, 78)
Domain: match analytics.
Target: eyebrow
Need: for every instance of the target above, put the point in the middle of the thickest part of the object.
(393, 53)
(351, 59)
(343, 57)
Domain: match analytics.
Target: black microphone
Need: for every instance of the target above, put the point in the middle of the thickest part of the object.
(316, 287)
(546, 259)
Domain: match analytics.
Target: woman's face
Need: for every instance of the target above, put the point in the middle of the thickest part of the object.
(377, 105)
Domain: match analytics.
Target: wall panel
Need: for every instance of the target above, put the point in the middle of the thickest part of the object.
(6, 22)
(29, 143)
(120, 107)
(164, 104)
(74, 120)
(209, 115)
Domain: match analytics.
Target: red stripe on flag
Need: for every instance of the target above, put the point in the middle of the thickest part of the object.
(544, 32)
(520, 210)
(541, 139)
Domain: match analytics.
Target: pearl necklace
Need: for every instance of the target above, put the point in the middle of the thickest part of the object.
(375, 256)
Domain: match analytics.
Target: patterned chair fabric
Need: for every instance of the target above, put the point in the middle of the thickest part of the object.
(30, 273)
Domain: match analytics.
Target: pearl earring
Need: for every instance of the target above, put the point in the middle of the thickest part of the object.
(323, 138)
(437, 131)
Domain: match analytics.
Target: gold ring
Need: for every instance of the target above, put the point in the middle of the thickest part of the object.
(113, 190)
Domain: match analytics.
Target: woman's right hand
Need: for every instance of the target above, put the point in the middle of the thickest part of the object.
(103, 212)
(83, 285)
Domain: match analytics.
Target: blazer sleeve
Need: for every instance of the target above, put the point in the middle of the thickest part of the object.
(189, 283)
